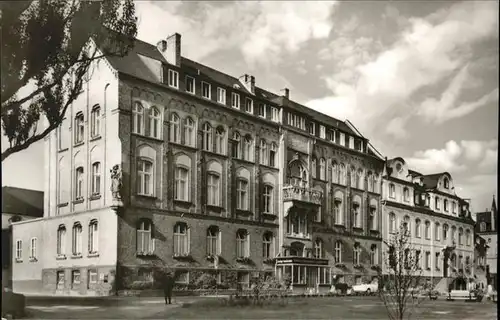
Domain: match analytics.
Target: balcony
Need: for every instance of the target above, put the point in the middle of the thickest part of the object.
(302, 194)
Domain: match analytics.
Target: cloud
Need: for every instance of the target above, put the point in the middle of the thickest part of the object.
(479, 188)
(475, 149)
(396, 127)
(437, 160)
(265, 29)
(490, 160)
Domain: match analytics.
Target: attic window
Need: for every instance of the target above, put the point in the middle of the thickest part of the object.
(236, 86)
(446, 183)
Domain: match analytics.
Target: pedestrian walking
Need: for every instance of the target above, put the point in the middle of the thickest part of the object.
(168, 286)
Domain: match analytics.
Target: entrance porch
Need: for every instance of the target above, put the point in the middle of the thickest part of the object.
(305, 275)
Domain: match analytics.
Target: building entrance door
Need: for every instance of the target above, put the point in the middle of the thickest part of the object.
(312, 277)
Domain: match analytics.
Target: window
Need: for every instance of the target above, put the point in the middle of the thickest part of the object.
(190, 84)
(93, 236)
(454, 207)
(359, 181)
(267, 242)
(263, 152)
(482, 226)
(220, 141)
(392, 191)
(427, 262)
(312, 128)
(189, 139)
(247, 148)
(77, 239)
(318, 249)
(62, 135)
(181, 184)
(342, 139)
(406, 194)
(181, 239)
(342, 174)
(374, 255)
(369, 178)
(145, 274)
(33, 253)
(242, 195)
(322, 169)
(248, 105)
(79, 128)
(314, 168)
(438, 203)
(275, 115)
(356, 215)
(268, 199)
(61, 240)
(445, 205)
(144, 177)
(297, 224)
(392, 222)
(221, 95)
(406, 224)
(407, 259)
(207, 137)
(273, 153)
(213, 238)
(145, 240)
(19, 250)
(79, 183)
(236, 145)
(427, 230)
(242, 249)
(92, 278)
(375, 183)
(213, 190)
(173, 79)
(206, 90)
(357, 253)
(453, 233)
(262, 110)
(322, 132)
(244, 279)
(138, 118)
(467, 238)
(446, 183)
(372, 219)
(436, 261)
(338, 252)
(155, 123)
(445, 232)
(460, 236)
(75, 279)
(337, 208)
(96, 178)
(335, 172)
(235, 100)
(60, 280)
(417, 228)
(95, 122)
(351, 142)
(175, 128)
(353, 177)
(437, 232)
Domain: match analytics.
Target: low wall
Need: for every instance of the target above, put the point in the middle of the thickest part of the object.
(27, 286)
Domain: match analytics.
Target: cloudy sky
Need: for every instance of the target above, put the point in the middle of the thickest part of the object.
(419, 79)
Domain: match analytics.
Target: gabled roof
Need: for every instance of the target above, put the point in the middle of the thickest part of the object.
(414, 173)
(431, 180)
(22, 201)
(135, 64)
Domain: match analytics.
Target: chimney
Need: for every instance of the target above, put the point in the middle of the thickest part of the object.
(171, 49)
(249, 82)
(286, 93)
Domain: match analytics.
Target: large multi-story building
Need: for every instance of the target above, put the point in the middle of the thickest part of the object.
(486, 228)
(439, 222)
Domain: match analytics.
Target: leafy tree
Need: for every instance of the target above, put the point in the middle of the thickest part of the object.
(47, 48)
(403, 275)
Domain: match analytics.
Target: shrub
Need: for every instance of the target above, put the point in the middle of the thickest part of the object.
(141, 285)
(206, 281)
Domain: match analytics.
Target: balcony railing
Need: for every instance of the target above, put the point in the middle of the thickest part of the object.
(299, 193)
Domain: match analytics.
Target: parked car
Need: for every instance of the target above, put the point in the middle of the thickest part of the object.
(13, 304)
(366, 288)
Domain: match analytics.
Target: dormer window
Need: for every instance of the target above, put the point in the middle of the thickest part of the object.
(351, 142)
(190, 84)
(446, 183)
(322, 132)
(221, 95)
(312, 128)
(262, 110)
(399, 167)
(248, 105)
(206, 90)
(173, 78)
(235, 100)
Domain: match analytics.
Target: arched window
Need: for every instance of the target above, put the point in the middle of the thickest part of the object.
(369, 179)
(236, 145)
(357, 253)
(453, 234)
(95, 122)
(181, 239)
(359, 181)
(445, 232)
(145, 177)
(342, 174)
(213, 189)
(145, 239)
(445, 205)
(242, 199)
(356, 207)
(338, 252)
(335, 172)
(406, 224)
(297, 173)
(374, 255)
(213, 241)
(437, 231)
(318, 249)
(467, 237)
(372, 218)
(96, 178)
(353, 177)
(79, 128)
(263, 152)
(181, 183)
(267, 245)
(460, 236)
(406, 194)
(77, 239)
(247, 148)
(242, 244)
(155, 124)
(138, 118)
(273, 153)
(61, 240)
(322, 169)
(392, 222)
(220, 140)
(446, 183)
(175, 128)
(93, 237)
(79, 183)
(268, 199)
(207, 137)
(417, 228)
(437, 203)
(392, 191)
(189, 132)
(314, 168)
(482, 226)
(337, 209)
(427, 232)
(375, 183)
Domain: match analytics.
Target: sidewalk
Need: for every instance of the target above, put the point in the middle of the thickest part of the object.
(53, 300)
